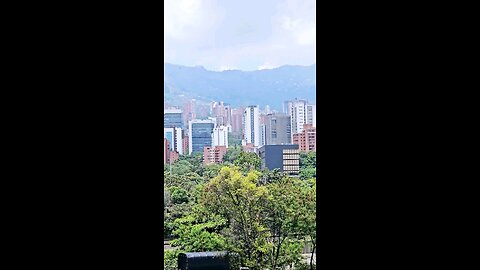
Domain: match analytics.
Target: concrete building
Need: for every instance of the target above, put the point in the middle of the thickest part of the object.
(286, 158)
(174, 137)
(213, 154)
(307, 139)
(277, 129)
(220, 136)
(251, 133)
(200, 135)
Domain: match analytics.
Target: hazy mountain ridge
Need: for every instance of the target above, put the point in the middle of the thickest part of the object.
(260, 87)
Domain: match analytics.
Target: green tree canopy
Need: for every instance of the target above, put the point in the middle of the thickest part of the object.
(248, 161)
(240, 201)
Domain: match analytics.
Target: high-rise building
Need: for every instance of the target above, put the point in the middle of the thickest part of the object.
(300, 113)
(222, 112)
(174, 137)
(307, 139)
(228, 115)
(237, 122)
(189, 111)
(251, 132)
(172, 118)
(277, 129)
(200, 135)
(286, 158)
(220, 136)
(213, 154)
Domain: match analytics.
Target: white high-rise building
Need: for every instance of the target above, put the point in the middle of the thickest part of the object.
(301, 113)
(251, 132)
(220, 136)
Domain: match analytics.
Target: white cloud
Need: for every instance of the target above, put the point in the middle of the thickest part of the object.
(211, 33)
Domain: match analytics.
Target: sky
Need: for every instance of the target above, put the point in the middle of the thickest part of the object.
(240, 34)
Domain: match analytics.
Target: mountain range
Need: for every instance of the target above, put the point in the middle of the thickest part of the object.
(240, 88)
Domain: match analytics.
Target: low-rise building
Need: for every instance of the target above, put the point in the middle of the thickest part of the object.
(169, 156)
(213, 154)
(286, 158)
(307, 139)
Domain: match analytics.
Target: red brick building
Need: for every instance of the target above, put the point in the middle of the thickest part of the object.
(167, 153)
(213, 154)
(307, 140)
(185, 144)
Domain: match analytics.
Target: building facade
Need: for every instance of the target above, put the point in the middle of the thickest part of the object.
(277, 129)
(172, 118)
(220, 136)
(189, 111)
(213, 154)
(185, 143)
(300, 113)
(251, 133)
(169, 156)
(237, 121)
(175, 138)
(307, 139)
(285, 158)
(200, 135)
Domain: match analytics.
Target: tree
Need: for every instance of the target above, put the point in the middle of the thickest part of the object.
(178, 195)
(231, 155)
(310, 219)
(248, 161)
(170, 214)
(308, 173)
(285, 208)
(170, 259)
(210, 171)
(234, 140)
(272, 176)
(308, 159)
(239, 200)
(194, 160)
(307, 225)
(199, 231)
(308, 165)
(167, 200)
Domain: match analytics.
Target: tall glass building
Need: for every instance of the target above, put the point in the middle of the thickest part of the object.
(200, 135)
(172, 118)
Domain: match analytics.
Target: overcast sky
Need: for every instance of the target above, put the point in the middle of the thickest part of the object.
(240, 34)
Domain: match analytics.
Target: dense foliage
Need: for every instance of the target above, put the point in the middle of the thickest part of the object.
(265, 216)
